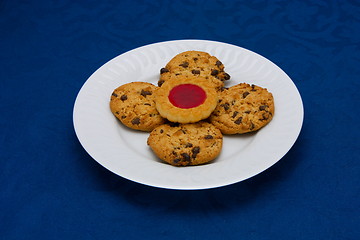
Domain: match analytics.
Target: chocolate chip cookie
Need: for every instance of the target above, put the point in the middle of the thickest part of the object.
(192, 64)
(133, 104)
(243, 108)
(186, 144)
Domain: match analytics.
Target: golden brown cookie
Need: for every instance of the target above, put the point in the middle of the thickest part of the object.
(186, 144)
(243, 108)
(186, 100)
(195, 63)
(133, 104)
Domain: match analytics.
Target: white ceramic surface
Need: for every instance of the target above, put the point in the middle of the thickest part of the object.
(125, 152)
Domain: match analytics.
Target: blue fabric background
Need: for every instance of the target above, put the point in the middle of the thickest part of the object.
(50, 188)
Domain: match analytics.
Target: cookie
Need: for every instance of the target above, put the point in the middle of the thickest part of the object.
(243, 108)
(134, 105)
(186, 100)
(195, 63)
(186, 144)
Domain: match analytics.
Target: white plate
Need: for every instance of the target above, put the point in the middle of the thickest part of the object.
(125, 152)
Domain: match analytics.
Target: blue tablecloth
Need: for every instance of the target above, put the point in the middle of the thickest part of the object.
(50, 188)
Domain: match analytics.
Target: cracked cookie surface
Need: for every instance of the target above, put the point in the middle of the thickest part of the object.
(192, 64)
(186, 144)
(243, 108)
(133, 104)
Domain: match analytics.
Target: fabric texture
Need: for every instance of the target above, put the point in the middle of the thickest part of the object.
(50, 188)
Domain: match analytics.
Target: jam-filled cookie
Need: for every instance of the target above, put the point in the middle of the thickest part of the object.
(133, 104)
(243, 108)
(186, 100)
(186, 144)
(195, 63)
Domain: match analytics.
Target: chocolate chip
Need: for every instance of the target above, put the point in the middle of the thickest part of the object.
(265, 117)
(176, 161)
(145, 93)
(235, 114)
(209, 137)
(117, 113)
(186, 157)
(114, 94)
(135, 121)
(226, 106)
(195, 151)
(252, 126)
(195, 71)
(218, 63)
(248, 111)
(164, 70)
(188, 145)
(245, 94)
(161, 130)
(195, 59)
(226, 76)
(253, 88)
(123, 117)
(123, 97)
(263, 107)
(214, 72)
(160, 82)
(184, 64)
(147, 104)
(238, 121)
(223, 89)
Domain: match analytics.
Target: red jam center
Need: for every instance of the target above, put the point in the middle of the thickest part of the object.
(187, 96)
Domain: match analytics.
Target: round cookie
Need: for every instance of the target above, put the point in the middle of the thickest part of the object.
(195, 63)
(186, 100)
(243, 108)
(133, 104)
(186, 144)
